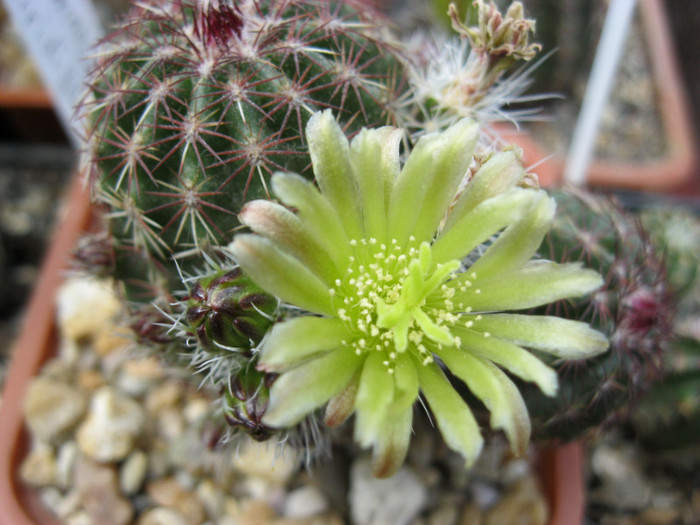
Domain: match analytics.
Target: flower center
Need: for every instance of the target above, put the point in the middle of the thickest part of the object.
(394, 299)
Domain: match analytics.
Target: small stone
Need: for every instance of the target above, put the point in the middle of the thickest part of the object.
(114, 422)
(90, 380)
(516, 469)
(393, 501)
(522, 504)
(212, 498)
(52, 407)
(255, 512)
(305, 502)
(98, 488)
(264, 461)
(79, 518)
(65, 463)
(137, 376)
(485, 495)
(623, 482)
(471, 515)
(169, 493)
(68, 505)
(196, 409)
(166, 395)
(445, 514)
(171, 424)
(85, 307)
(111, 339)
(133, 472)
(161, 516)
(39, 467)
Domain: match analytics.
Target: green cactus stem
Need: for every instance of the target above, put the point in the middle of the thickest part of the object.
(634, 309)
(194, 104)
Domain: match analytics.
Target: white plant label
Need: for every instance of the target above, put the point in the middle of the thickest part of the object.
(58, 35)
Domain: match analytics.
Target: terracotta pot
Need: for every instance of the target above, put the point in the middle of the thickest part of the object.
(664, 174)
(561, 467)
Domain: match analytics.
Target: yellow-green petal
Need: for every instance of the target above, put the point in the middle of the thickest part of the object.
(281, 274)
(300, 391)
(536, 284)
(330, 155)
(316, 213)
(286, 229)
(496, 391)
(513, 358)
(391, 445)
(374, 156)
(454, 418)
(450, 167)
(485, 220)
(374, 395)
(519, 242)
(293, 341)
(498, 175)
(560, 337)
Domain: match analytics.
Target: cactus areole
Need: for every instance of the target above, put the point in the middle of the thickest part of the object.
(194, 104)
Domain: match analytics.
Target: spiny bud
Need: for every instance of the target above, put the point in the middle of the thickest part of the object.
(228, 310)
(496, 34)
(246, 402)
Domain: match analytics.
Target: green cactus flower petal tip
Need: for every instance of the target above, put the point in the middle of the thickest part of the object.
(377, 265)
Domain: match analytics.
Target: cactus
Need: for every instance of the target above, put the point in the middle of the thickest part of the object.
(634, 309)
(190, 109)
(669, 417)
(194, 104)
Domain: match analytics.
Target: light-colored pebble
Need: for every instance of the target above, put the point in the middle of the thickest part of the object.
(522, 504)
(91, 380)
(138, 376)
(79, 518)
(471, 515)
(212, 498)
(169, 493)
(161, 516)
(305, 502)
(65, 463)
(52, 407)
(265, 461)
(113, 423)
(111, 339)
(85, 307)
(196, 409)
(623, 482)
(445, 514)
(393, 501)
(39, 467)
(170, 424)
(99, 493)
(133, 472)
(164, 396)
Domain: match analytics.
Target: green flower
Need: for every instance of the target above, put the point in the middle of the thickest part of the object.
(377, 261)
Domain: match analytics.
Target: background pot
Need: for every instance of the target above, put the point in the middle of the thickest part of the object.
(672, 171)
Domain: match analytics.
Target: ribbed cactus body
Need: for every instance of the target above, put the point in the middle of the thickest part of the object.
(634, 309)
(195, 104)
